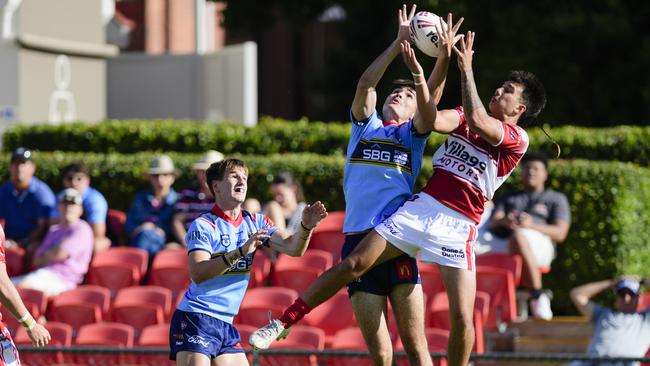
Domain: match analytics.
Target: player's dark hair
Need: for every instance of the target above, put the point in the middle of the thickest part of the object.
(75, 168)
(402, 83)
(535, 156)
(533, 95)
(218, 170)
(287, 178)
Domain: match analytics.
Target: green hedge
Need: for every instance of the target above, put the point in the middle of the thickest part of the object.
(610, 203)
(623, 143)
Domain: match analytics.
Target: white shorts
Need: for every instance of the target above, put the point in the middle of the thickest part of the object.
(440, 234)
(540, 244)
(44, 280)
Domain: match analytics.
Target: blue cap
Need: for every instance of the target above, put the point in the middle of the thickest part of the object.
(630, 284)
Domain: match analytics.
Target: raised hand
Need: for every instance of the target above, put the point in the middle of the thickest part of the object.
(313, 214)
(255, 241)
(408, 55)
(404, 20)
(448, 36)
(466, 52)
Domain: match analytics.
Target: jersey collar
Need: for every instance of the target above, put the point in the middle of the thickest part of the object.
(219, 212)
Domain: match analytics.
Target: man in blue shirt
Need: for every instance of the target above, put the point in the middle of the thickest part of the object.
(221, 245)
(77, 176)
(26, 202)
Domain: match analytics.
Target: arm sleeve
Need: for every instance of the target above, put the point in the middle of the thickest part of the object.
(264, 222)
(561, 210)
(96, 209)
(47, 203)
(199, 236)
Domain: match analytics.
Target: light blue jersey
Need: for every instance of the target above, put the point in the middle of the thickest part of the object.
(382, 165)
(216, 233)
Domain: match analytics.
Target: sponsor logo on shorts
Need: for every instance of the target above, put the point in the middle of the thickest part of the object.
(198, 340)
(451, 253)
(404, 271)
(390, 225)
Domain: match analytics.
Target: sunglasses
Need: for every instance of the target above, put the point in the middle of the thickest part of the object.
(625, 292)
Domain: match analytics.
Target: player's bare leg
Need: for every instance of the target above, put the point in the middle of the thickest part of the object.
(371, 311)
(461, 290)
(408, 306)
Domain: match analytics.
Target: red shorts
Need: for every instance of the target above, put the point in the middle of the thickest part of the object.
(8, 351)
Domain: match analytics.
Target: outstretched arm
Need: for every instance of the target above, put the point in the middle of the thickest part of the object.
(476, 115)
(365, 97)
(10, 299)
(296, 244)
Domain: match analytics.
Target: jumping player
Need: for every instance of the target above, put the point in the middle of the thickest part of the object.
(480, 153)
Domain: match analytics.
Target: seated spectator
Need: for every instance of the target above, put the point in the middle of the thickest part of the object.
(618, 332)
(26, 203)
(285, 209)
(94, 204)
(195, 200)
(62, 260)
(252, 205)
(148, 222)
(529, 223)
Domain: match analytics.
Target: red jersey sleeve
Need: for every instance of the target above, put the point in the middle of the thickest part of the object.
(512, 148)
(2, 245)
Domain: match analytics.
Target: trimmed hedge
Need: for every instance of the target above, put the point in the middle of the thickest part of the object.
(623, 143)
(610, 203)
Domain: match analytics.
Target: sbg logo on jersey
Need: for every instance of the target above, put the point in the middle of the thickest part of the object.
(375, 153)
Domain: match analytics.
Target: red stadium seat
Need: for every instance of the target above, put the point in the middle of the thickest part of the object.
(510, 262)
(301, 337)
(118, 267)
(260, 269)
(140, 306)
(644, 302)
(170, 269)
(83, 305)
(437, 340)
(15, 260)
(155, 336)
(350, 339)
(61, 336)
(106, 335)
(34, 300)
(332, 316)
(299, 272)
(259, 301)
(115, 220)
(439, 316)
(499, 284)
(328, 235)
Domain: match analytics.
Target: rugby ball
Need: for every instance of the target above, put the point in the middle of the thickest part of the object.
(424, 35)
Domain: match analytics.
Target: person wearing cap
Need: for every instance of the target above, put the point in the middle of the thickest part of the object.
(148, 222)
(194, 200)
(621, 331)
(95, 207)
(62, 259)
(26, 202)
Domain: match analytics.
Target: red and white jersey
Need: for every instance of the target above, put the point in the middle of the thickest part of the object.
(2, 244)
(468, 169)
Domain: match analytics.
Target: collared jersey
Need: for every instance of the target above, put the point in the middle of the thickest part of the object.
(382, 165)
(216, 233)
(468, 169)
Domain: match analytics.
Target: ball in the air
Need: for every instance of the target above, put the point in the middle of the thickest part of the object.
(424, 33)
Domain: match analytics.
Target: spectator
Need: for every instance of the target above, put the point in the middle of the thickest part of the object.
(26, 202)
(148, 222)
(618, 332)
(529, 223)
(62, 259)
(94, 204)
(285, 209)
(195, 200)
(252, 205)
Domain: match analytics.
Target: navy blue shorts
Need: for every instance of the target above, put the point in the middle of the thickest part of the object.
(200, 333)
(381, 279)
